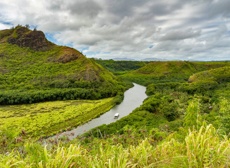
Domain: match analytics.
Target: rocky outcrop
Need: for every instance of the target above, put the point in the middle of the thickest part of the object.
(23, 37)
(68, 55)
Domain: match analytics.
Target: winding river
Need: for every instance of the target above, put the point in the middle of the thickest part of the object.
(133, 98)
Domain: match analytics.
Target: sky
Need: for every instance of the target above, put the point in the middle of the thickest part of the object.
(133, 29)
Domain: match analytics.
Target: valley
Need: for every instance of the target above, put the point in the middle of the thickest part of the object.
(181, 118)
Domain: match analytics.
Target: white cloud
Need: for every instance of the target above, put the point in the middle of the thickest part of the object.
(180, 34)
(175, 29)
(4, 26)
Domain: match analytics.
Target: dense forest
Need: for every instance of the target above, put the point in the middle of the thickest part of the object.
(184, 122)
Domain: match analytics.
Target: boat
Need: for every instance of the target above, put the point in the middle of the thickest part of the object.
(116, 115)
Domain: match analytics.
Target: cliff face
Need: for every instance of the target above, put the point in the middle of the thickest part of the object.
(24, 37)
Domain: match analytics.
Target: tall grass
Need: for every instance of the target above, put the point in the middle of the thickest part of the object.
(196, 145)
(202, 147)
(205, 148)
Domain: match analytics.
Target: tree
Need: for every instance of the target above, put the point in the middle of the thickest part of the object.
(27, 26)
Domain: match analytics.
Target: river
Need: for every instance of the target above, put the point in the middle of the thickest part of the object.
(133, 98)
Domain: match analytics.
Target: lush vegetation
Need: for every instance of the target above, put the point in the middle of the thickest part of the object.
(120, 67)
(170, 117)
(195, 145)
(20, 122)
(28, 75)
(169, 71)
(183, 123)
(166, 105)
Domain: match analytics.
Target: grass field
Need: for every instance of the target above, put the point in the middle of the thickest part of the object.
(44, 119)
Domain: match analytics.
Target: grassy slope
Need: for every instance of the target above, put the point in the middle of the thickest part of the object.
(23, 69)
(164, 109)
(169, 71)
(152, 136)
(218, 75)
(202, 147)
(44, 119)
(164, 113)
(34, 70)
(120, 67)
(166, 144)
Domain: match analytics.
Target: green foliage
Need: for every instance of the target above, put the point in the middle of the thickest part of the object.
(33, 96)
(44, 119)
(183, 122)
(57, 73)
(36, 153)
(120, 67)
(206, 149)
(223, 116)
(200, 148)
(216, 75)
(169, 71)
(192, 116)
(9, 138)
(140, 123)
(169, 105)
(172, 108)
(207, 80)
(151, 104)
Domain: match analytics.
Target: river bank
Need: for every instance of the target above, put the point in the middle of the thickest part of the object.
(133, 98)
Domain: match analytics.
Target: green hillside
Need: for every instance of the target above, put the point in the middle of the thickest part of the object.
(120, 67)
(174, 127)
(32, 69)
(216, 75)
(184, 122)
(208, 80)
(169, 71)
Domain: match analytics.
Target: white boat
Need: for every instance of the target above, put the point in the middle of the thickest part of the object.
(116, 115)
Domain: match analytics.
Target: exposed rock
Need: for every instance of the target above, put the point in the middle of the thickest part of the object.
(35, 40)
(67, 58)
(68, 54)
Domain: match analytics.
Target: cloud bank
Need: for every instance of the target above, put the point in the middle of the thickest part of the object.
(135, 29)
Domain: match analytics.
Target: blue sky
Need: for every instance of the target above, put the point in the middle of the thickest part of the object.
(134, 29)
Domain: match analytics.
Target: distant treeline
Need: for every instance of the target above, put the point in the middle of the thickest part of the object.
(119, 66)
(52, 94)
